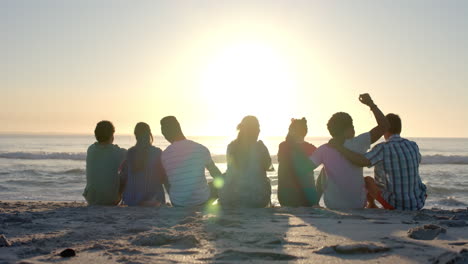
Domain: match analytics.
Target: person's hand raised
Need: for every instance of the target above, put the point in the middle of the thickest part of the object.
(366, 99)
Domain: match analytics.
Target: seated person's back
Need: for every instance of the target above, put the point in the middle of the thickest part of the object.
(396, 176)
(103, 160)
(296, 185)
(184, 162)
(142, 173)
(397, 172)
(246, 182)
(345, 186)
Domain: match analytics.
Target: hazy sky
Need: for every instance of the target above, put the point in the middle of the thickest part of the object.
(64, 65)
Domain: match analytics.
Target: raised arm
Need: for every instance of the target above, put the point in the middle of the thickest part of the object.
(382, 122)
(355, 158)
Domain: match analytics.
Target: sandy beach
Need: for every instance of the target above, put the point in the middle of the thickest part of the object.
(37, 232)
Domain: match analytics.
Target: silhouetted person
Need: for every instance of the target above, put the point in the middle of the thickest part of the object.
(246, 183)
(296, 187)
(397, 183)
(142, 172)
(103, 160)
(342, 182)
(185, 162)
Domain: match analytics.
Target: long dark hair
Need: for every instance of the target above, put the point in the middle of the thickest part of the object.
(249, 129)
(144, 140)
(297, 129)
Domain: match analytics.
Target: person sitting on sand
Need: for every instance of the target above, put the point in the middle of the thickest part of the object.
(103, 160)
(396, 183)
(246, 183)
(342, 182)
(294, 187)
(185, 162)
(142, 173)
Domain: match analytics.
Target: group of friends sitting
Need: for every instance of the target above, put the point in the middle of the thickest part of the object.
(140, 175)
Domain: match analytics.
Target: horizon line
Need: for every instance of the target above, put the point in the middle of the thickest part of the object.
(22, 133)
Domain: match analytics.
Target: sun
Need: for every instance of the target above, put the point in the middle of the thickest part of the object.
(249, 77)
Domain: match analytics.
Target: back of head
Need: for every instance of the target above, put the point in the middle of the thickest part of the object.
(297, 129)
(395, 124)
(143, 134)
(104, 131)
(339, 123)
(170, 128)
(144, 140)
(249, 129)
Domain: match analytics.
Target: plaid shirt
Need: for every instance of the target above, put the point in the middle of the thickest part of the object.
(397, 172)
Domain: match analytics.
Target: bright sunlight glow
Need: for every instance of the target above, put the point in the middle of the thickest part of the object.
(249, 78)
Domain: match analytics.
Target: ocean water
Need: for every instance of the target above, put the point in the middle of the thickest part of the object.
(52, 167)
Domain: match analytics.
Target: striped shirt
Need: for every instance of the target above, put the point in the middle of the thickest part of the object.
(145, 185)
(397, 172)
(185, 162)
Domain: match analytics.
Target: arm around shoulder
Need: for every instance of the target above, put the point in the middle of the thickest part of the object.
(355, 158)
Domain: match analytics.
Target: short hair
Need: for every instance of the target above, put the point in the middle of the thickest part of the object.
(171, 125)
(104, 131)
(395, 123)
(338, 123)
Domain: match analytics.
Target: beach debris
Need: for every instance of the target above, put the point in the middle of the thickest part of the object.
(452, 257)
(4, 241)
(166, 238)
(361, 248)
(236, 255)
(426, 232)
(453, 223)
(67, 253)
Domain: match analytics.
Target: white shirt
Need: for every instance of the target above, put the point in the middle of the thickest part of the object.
(185, 162)
(345, 187)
